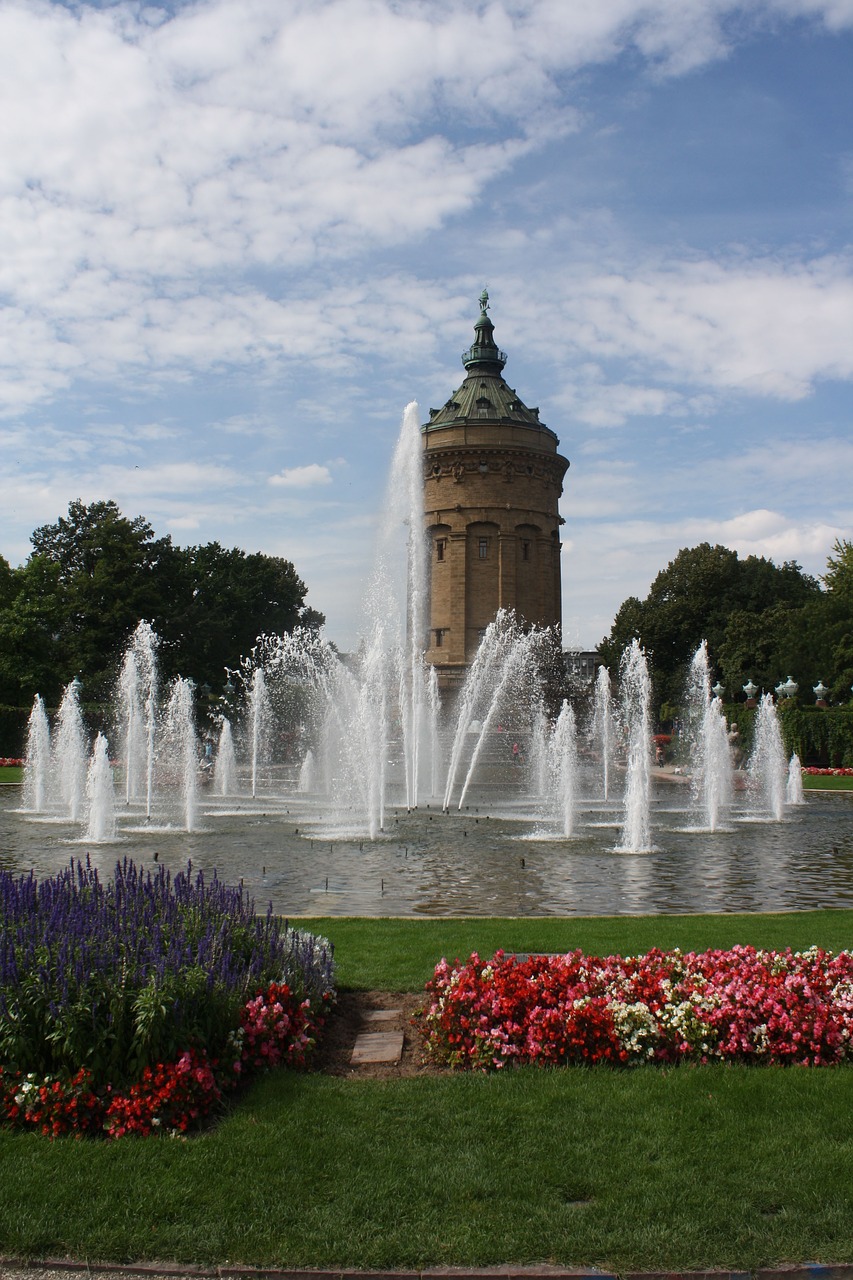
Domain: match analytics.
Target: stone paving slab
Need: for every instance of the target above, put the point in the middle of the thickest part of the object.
(382, 1015)
(377, 1047)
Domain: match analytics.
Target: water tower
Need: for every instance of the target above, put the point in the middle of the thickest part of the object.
(492, 484)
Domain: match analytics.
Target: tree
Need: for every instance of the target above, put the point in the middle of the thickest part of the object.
(223, 600)
(837, 621)
(692, 600)
(95, 574)
(108, 574)
(30, 627)
(766, 647)
(838, 578)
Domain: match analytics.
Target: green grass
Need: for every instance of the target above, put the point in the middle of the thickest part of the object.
(11, 773)
(644, 1169)
(826, 782)
(400, 954)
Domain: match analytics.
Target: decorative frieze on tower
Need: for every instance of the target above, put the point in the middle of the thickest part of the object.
(492, 483)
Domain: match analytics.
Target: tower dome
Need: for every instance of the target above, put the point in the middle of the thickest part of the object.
(492, 484)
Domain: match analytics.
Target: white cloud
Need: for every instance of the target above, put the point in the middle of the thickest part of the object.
(168, 477)
(307, 477)
(147, 156)
(763, 327)
(611, 559)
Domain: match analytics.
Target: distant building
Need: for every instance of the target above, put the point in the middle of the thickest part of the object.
(492, 484)
(582, 664)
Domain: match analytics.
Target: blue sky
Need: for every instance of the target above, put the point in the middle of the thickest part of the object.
(239, 238)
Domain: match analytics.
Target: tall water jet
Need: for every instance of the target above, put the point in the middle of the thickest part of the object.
(710, 754)
(182, 749)
(794, 793)
(602, 727)
(100, 794)
(70, 753)
(503, 682)
(37, 758)
(539, 769)
(138, 692)
(225, 764)
(434, 709)
(403, 631)
(260, 713)
(564, 768)
(307, 780)
(635, 836)
(768, 764)
(340, 712)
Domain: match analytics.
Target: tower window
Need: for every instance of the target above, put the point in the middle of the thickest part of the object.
(439, 638)
(440, 547)
(484, 549)
(525, 550)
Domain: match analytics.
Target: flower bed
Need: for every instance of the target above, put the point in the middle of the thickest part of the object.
(137, 1005)
(8, 762)
(663, 1007)
(828, 773)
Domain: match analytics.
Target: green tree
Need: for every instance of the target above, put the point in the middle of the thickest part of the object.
(692, 600)
(784, 640)
(95, 573)
(108, 574)
(837, 620)
(222, 601)
(30, 628)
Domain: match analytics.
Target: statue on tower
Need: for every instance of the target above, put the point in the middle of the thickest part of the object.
(484, 302)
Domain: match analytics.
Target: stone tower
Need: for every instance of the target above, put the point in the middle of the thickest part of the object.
(492, 482)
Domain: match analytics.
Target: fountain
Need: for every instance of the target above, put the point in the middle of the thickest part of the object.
(225, 765)
(307, 773)
(137, 688)
(602, 728)
(259, 723)
(767, 766)
(70, 753)
(794, 794)
(503, 684)
(100, 794)
(564, 767)
(539, 770)
(37, 758)
(635, 836)
(369, 796)
(710, 755)
(182, 743)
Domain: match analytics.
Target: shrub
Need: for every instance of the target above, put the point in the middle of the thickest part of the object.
(121, 978)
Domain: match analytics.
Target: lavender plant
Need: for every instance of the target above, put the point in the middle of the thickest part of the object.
(122, 975)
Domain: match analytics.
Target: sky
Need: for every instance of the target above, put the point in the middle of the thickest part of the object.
(237, 239)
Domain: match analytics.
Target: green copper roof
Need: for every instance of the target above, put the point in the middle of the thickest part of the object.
(484, 395)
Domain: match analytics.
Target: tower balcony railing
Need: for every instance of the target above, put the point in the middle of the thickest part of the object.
(492, 354)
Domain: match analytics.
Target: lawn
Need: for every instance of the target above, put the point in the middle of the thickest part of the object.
(399, 954)
(11, 773)
(633, 1169)
(826, 782)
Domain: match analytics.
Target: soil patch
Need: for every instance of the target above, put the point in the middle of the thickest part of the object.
(350, 1018)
